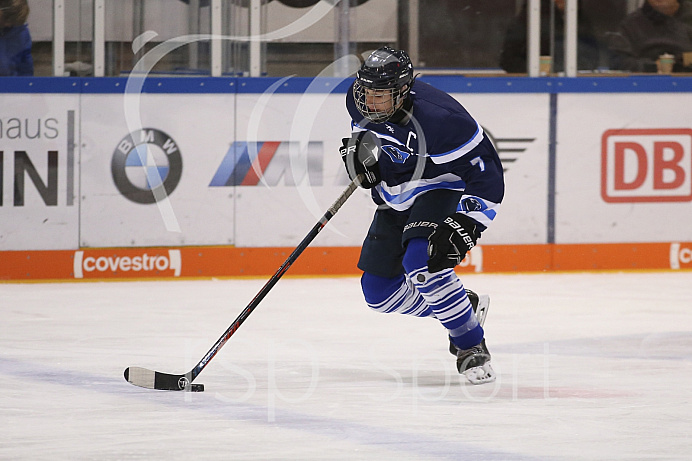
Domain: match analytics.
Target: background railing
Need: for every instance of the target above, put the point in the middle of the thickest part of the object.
(301, 37)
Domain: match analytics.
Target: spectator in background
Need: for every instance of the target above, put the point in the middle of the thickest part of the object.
(657, 27)
(15, 40)
(514, 50)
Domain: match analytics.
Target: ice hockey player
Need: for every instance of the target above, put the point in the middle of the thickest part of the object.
(438, 183)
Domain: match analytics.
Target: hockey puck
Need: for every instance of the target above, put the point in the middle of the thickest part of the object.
(195, 387)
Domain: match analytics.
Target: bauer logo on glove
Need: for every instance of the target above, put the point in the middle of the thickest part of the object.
(461, 232)
(359, 154)
(451, 240)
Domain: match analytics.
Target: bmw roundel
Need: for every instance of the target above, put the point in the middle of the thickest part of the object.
(146, 165)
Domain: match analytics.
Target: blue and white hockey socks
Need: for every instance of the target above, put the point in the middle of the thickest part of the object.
(395, 294)
(423, 294)
(444, 294)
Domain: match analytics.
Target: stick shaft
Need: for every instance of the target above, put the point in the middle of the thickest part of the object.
(275, 278)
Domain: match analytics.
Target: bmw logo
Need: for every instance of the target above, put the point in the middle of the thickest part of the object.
(146, 164)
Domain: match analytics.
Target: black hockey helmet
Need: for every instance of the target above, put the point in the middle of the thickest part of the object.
(385, 72)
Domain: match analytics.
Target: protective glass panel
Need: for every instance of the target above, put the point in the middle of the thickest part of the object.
(311, 37)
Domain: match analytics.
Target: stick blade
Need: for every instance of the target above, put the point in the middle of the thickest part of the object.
(150, 379)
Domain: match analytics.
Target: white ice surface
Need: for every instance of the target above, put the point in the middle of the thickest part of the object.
(592, 366)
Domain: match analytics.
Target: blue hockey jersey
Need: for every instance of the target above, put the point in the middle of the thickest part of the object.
(440, 146)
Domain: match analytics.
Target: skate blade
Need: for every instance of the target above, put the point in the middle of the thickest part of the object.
(481, 375)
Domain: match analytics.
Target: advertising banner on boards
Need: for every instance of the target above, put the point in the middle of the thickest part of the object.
(624, 168)
(299, 136)
(294, 142)
(520, 133)
(145, 174)
(39, 172)
(257, 169)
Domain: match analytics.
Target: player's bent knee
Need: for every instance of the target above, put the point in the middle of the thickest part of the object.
(416, 256)
(377, 290)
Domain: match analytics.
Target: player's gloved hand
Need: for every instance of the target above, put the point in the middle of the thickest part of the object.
(451, 240)
(359, 154)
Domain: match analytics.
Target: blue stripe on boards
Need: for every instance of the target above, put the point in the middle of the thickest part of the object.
(552, 167)
(156, 83)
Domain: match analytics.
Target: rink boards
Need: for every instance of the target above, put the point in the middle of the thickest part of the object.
(228, 261)
(199, 177)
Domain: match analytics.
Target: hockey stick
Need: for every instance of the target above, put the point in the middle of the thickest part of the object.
(150, 379)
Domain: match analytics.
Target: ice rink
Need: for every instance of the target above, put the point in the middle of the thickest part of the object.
(591, 366)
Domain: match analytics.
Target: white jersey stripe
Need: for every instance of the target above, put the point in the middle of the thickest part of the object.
(461, 150)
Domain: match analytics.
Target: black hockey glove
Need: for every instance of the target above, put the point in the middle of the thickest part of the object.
(451, 240)
(359, 154)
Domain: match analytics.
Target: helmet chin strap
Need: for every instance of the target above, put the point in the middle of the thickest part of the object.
(403, 112)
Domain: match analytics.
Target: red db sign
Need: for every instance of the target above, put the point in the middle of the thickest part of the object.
(646, 165)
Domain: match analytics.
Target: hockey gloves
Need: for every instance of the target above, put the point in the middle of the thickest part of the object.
(359, 154)
(451, 240)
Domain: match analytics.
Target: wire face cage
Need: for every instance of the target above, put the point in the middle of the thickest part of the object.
(378, 105)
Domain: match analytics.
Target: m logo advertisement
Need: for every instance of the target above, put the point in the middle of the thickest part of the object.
(646, 165)
(146, 165)
(249, 163)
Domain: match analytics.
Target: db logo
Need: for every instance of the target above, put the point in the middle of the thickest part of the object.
(646, 165)
(473, 262)
(680, 256)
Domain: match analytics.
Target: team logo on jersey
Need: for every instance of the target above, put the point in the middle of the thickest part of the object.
(397, 155)
(248, 163)
(146, 165)
(473, 204)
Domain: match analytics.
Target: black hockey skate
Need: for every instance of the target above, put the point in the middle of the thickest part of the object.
(474, 363)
